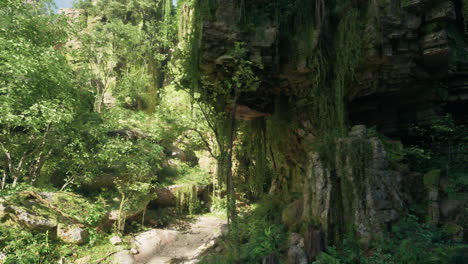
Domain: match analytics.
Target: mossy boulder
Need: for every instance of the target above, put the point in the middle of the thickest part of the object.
(45, 211)
(133, 208)
(33, 220)
(26, 215)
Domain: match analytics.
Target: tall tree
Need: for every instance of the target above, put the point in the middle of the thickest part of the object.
(38, 91)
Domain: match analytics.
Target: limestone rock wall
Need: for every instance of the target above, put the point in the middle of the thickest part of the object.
(414, 68)
(362, 197)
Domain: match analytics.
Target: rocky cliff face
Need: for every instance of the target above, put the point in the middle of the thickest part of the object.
(387, 63)
(362, 196)
(416, 67)
(414, 63)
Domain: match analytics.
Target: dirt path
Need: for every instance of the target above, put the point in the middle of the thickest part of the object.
(159, 246)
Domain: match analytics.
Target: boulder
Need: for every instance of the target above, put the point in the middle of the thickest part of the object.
(44, 211)
(133, 208)
(23, 214)
(167, 196)
(164, 197)
(72, 234)
(115, 240)
(31, 220)
(124, 257)
(150, 242)
(442, 11)
(83, 260)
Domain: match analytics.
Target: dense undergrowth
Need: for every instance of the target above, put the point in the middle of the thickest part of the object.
(256, 233)
(410, 241)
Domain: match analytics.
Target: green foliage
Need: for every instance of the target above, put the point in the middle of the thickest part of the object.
(218, 204)
(187, 199)
(409, 242)
(214, 95)
(181, 173)
(442, 145)
(432, 178)
(23, 247)
(395, 152)
(255, 234)
(39, 95)
(252, 171)
(128, 54)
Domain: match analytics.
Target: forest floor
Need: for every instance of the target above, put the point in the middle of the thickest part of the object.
(179, 244)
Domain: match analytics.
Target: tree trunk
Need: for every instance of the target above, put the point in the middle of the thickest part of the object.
(229, 182)
(4, 180)
(15, 181)
(37, 166)
(121, 218)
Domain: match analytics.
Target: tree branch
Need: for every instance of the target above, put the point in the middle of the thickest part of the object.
(204, 141)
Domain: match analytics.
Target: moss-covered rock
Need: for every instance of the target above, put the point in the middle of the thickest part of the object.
(33, 220)
(432, 178)
(44, 211)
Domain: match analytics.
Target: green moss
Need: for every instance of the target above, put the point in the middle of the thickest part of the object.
(453, 229)
(405, 3)
(354, 161)
(432, 178)
(253, 169)
(187, 199)
(395, 152)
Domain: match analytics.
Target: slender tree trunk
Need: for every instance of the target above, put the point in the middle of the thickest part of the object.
(143, 216)
(15, 181)
(121, 217)
(4, 179)
(98, 103)
(37, 166)
(67, 182)
(231, 212)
